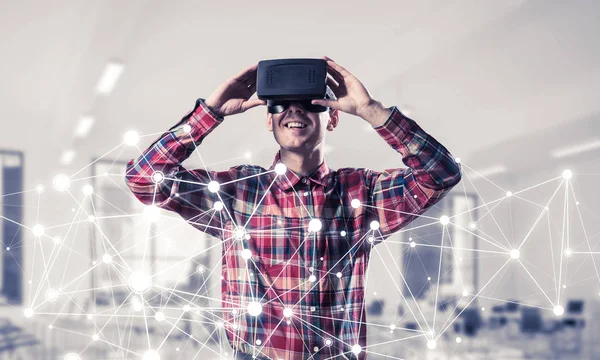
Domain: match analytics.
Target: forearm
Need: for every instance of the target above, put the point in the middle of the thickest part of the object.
(376, 114)
(167, 153)
(432, 164)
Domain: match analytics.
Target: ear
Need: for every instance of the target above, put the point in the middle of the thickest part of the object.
(333, 119)
(269, 122)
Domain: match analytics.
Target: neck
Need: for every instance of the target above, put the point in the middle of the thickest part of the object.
(302, 163)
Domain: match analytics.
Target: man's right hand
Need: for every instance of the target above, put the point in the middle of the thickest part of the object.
(232, 97)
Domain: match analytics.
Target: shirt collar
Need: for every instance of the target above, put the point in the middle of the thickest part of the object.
(320, 176)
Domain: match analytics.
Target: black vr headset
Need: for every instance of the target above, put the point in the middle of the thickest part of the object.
(284, 81)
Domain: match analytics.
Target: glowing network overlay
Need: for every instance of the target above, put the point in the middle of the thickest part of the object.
(134, 314)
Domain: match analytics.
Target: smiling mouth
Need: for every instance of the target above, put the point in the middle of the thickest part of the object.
(295, 125)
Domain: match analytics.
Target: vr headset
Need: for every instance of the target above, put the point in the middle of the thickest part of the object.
(284, 81)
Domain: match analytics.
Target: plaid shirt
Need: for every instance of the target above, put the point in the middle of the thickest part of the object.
(314, 270)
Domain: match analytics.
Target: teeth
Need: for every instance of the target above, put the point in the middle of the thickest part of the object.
(295, 125)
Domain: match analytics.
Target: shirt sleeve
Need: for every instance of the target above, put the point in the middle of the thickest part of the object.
(398, 196)
(180, 190)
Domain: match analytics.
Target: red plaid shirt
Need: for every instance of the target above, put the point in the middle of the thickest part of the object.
(315, 271)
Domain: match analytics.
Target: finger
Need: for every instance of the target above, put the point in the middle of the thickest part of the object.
(336, 76)
(339, 69)
(252, 88)
(246, 74)
(253, 103)
(333, 104)
(332, 83)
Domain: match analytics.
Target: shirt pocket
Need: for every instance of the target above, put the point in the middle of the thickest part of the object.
(275, 240)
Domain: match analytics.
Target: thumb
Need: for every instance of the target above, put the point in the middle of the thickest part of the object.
(252, 103)
(334, 104)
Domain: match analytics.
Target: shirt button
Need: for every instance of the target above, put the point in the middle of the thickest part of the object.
(306, 193)
(312, 308)
(305, 180)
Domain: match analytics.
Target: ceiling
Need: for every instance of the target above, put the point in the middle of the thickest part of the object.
(474, 74)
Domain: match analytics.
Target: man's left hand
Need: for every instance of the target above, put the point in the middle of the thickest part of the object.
(352, 96)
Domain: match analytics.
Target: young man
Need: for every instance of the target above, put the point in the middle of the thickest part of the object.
(296, 237)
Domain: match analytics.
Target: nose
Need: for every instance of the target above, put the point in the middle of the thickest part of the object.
(295, 106)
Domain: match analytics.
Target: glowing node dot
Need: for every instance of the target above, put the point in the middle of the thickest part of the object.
(568, 252)
(159, 316)
(91, 218)
(39, 188)
(131, 138)
(339, 275)
(186, 308)
(355, 203)
(343, 233)
(431, 344)
(567, 174)
(328, 342)
(577, 203)
(515, 253)
(72, 356)
(106, 258)
(458, 339)
(187, 128)
(374, 225)
(218, 206)
(413, 244)
(51, 295)
(95, 337)
(444, 220)
(246, 254)
(158, 177)
(151, 213)
(137, 306)
(239, 233)
(356, 349)
(370, 239)
(61, 182)
(200, 269)
(312, 278)
(90, 316)
(87, 189)
(254, 308)
(429, 278)
(558, 310)
(151, 355)
(509, 193)
(38, 230)
(473, 225)
(139, 282)
(258, 342)
(392, 327)
(28, 312)
(316, 349)
(280, 168)
(287, 312)
(315, 225)
(213, 186)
